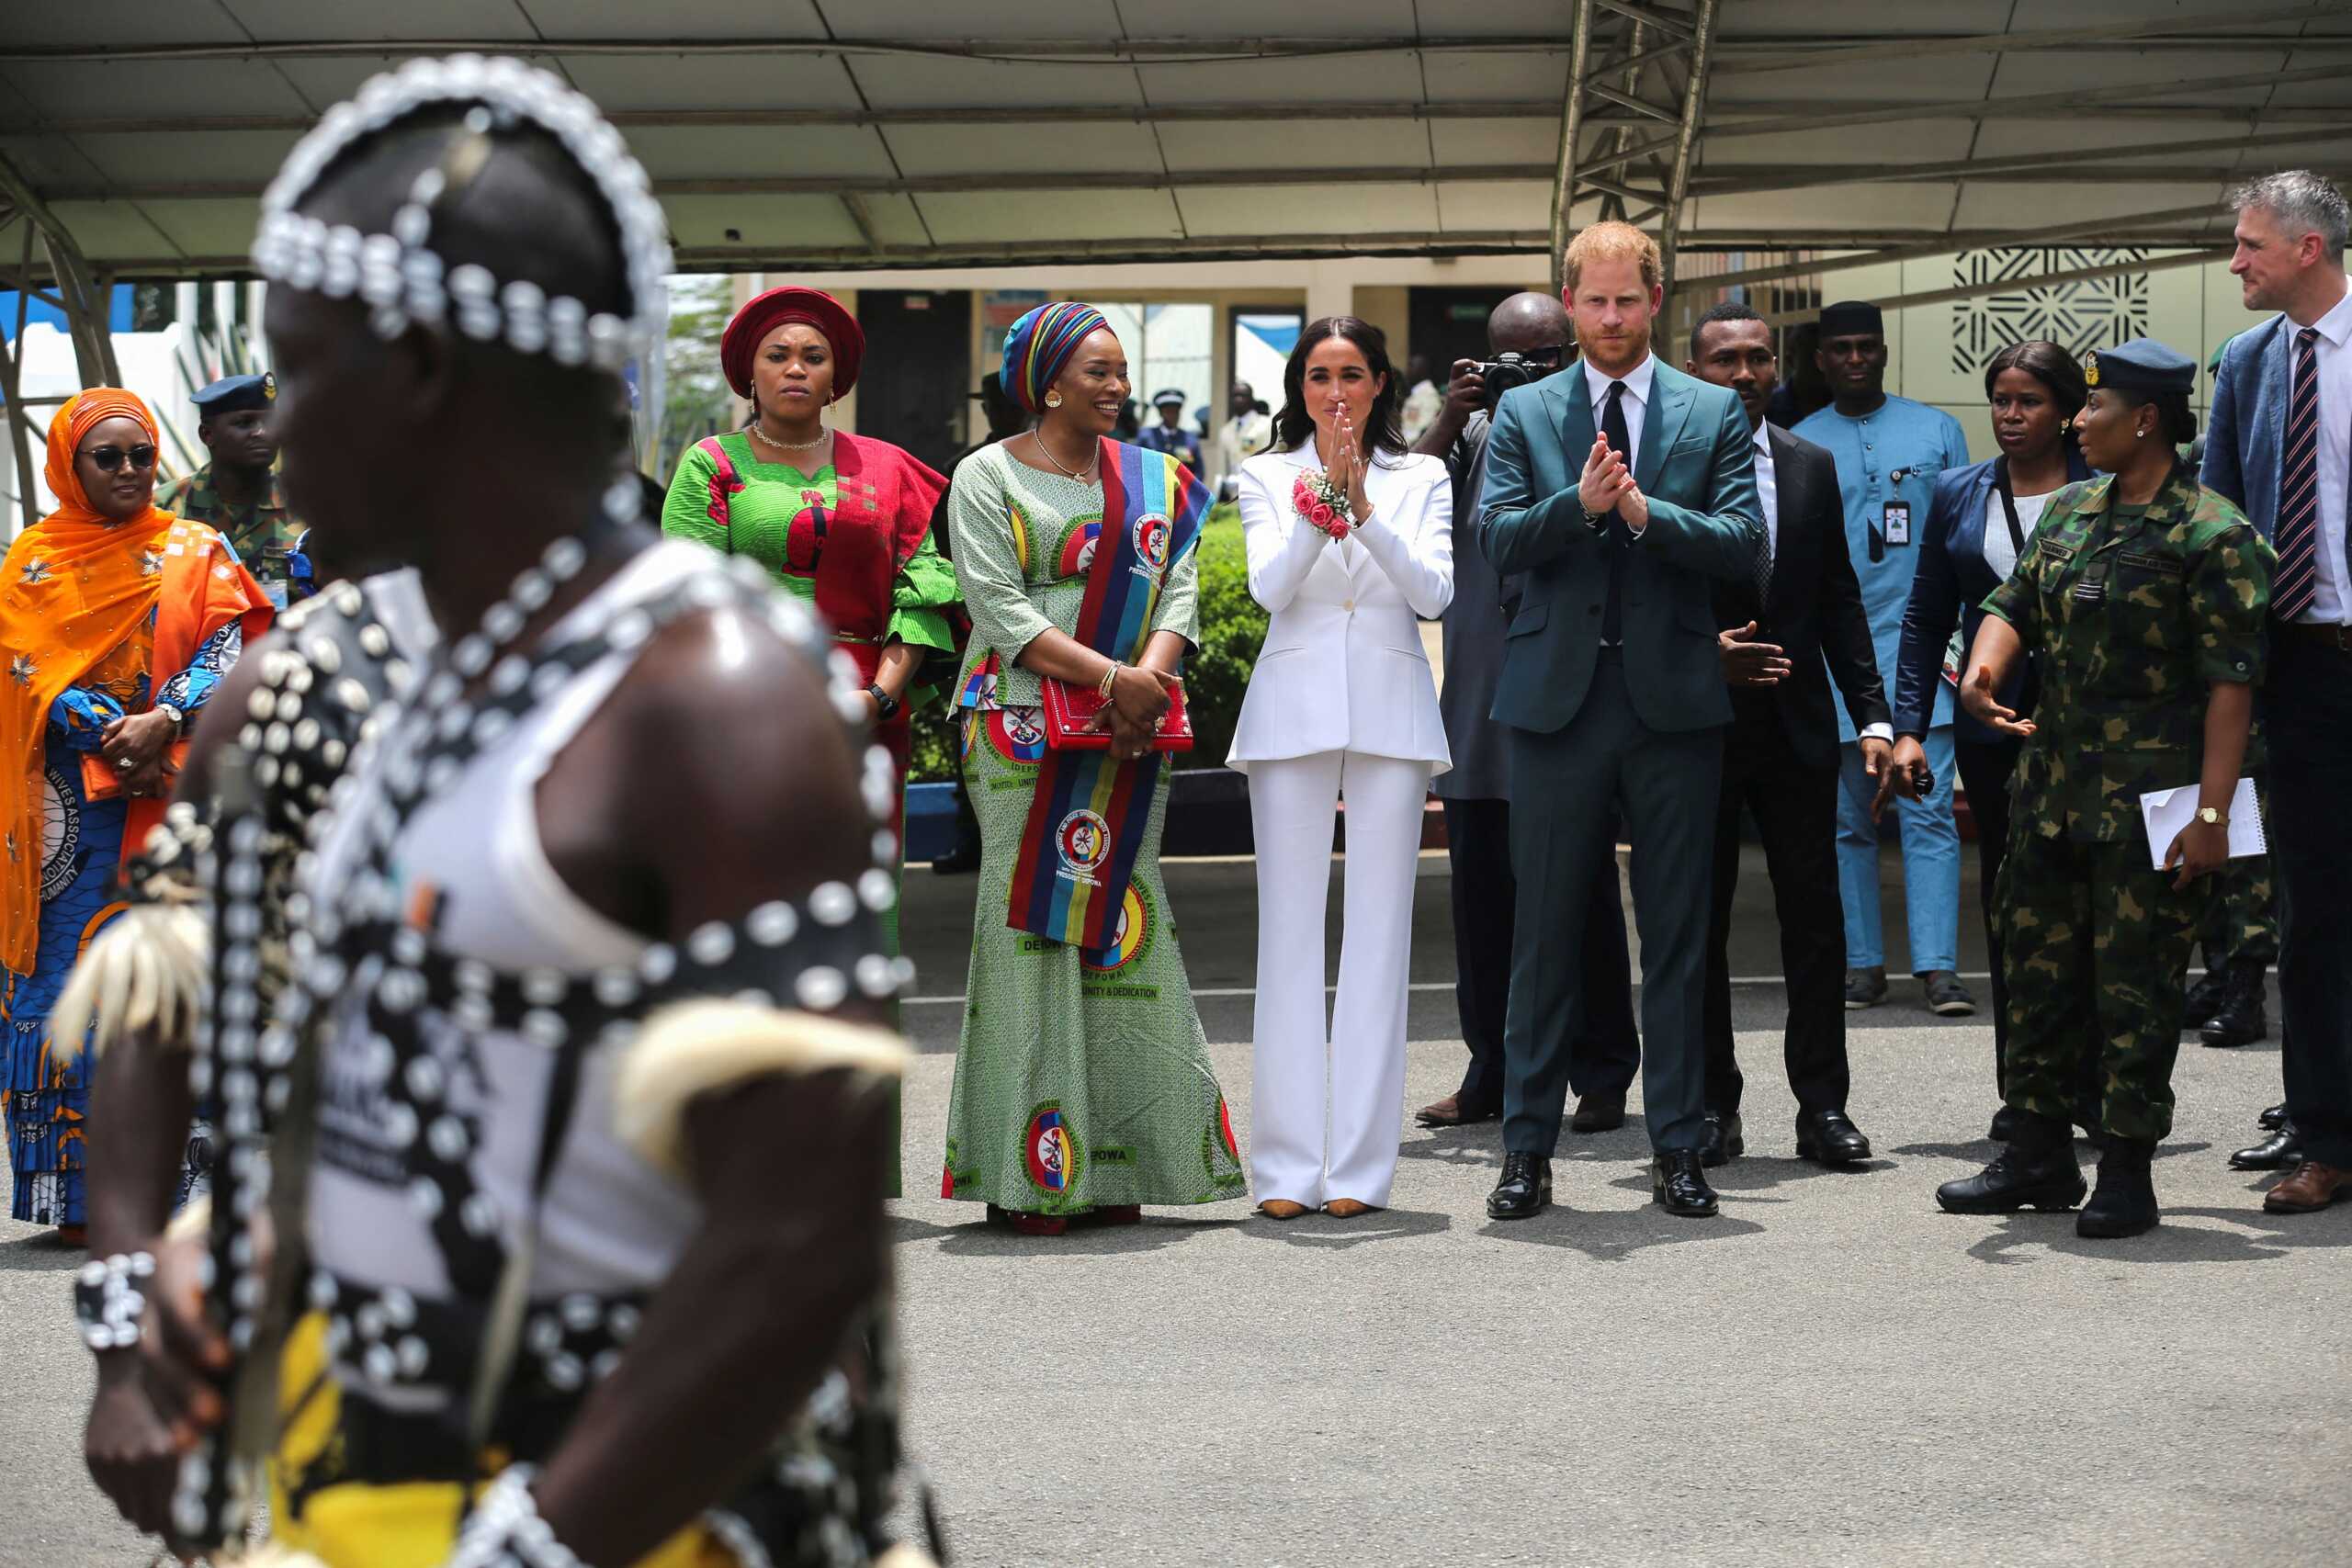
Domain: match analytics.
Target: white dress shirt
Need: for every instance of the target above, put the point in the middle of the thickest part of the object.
(1635, 402)
(2331, 595)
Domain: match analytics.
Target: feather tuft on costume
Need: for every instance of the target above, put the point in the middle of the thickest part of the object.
(146, 971)
(687, 1051)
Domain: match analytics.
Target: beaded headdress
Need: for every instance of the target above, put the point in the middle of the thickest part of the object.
(399, 276)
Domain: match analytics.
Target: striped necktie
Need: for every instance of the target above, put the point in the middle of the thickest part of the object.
(2296, 582)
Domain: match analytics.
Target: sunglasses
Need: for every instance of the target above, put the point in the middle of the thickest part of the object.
(110, 459)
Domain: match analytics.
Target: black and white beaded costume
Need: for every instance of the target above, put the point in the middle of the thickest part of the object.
(416, 1110)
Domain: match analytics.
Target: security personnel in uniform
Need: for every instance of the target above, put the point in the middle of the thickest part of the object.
(2144, 595)
(236, 493)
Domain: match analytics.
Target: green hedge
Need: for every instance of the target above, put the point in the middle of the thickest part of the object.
(1232, 629)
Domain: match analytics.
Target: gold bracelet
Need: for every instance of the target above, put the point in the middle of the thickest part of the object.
(1102, 687)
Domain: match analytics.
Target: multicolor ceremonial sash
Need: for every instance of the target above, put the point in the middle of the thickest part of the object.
(1088, 817)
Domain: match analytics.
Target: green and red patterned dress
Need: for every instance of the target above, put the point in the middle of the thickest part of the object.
(1084, 1079)
(853, 538)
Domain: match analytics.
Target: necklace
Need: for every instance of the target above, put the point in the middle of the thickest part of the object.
(1079, 473)
(756, 434)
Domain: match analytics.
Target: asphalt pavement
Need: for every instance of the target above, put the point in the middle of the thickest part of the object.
(1831, 1372)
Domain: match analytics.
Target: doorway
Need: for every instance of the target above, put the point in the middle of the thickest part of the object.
(913, 391)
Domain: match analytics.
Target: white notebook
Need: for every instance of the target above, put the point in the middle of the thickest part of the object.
(2167, 811)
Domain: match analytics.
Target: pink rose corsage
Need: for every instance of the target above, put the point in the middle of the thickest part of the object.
(1321, 503)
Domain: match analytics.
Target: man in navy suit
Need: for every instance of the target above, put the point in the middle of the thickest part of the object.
(2279, 445)
(1623, 490)
(1796, 622)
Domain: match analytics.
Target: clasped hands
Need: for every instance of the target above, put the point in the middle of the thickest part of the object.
(1346, 469)
(1608, 486)
(139, 748)
(1139, 698)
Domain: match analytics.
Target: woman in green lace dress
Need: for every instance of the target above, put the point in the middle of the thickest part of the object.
(840, 520)
(1084, 1088)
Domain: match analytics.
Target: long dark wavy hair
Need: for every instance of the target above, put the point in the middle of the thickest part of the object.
(1384, 427)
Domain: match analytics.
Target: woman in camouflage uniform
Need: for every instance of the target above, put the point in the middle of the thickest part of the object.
(2143, 593)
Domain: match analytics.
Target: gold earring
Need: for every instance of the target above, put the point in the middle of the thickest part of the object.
(1053, 400)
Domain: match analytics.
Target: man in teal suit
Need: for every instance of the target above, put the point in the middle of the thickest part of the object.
(1613, 694)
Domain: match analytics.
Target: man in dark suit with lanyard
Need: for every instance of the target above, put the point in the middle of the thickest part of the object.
(1622, 490)
(1787, 629)
(2279, 445)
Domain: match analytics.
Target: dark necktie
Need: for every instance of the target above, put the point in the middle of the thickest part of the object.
(2296, 582)
(1613, 425)
(1764, 559)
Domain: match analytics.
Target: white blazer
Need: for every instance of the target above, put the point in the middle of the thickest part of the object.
(1342, 668)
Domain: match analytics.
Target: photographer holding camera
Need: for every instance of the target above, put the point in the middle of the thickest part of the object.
(1528, 336)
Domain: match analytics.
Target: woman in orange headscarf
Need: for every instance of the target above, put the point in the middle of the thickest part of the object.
(116, 621)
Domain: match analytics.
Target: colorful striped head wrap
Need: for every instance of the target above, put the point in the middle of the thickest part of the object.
(1040, 345)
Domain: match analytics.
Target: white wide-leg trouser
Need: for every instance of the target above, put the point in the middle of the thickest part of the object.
(1327, 1109)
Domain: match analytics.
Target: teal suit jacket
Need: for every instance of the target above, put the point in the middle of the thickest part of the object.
(1696, 469)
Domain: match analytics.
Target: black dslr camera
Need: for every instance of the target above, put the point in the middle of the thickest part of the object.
(1504, 371)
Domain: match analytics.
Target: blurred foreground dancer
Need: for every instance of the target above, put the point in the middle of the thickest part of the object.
(2148, 563)
(588, 1224)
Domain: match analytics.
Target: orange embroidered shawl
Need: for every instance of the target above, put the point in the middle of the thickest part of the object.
(74, 586)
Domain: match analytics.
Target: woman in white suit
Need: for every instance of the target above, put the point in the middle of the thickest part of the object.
(1350, 544)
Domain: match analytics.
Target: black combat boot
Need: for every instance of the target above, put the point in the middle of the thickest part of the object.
(2239, 1018)
(2036, 1171)
(2205, 997)
(2125, 1203)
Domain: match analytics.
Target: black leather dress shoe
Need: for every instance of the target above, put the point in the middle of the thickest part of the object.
(1830, 1137)
(2274, 1118)
(2283, 1150)
(1679, 1186)
(1724, 1138)
(1524, 1190)
(1597, 1113)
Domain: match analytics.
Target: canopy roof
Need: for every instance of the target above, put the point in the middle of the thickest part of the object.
(850, 133)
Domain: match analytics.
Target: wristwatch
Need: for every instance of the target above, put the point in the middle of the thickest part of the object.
(886, 706)
(177, 716)
(2210, 816)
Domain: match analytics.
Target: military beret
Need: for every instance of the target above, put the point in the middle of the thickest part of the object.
(1850, 317)
(1167, 395)
(231, 394)
(2143, 365)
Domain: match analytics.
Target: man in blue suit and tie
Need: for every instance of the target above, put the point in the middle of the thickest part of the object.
(2278, 445)
(1623, 490)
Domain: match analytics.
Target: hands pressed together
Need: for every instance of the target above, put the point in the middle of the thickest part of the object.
(1608, 486)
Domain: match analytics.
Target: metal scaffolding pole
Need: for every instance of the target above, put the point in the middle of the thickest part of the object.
(1651, 60)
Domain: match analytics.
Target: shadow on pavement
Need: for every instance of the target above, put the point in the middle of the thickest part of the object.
(1607, 1236)
(1324, 1232)
(41, 1252)
(2254, 1236)
(979, 1239)
(1757, 1173)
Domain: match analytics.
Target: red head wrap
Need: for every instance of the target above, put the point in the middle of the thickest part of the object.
(812, 306)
